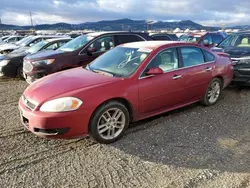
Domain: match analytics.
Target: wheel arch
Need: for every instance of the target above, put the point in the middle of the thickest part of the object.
(123, 101)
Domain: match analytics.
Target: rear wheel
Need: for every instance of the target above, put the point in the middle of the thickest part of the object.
(109, 122)
(213, 92)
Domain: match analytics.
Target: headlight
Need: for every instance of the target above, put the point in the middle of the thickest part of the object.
(4, 62)
(43, 62)
(61, 105)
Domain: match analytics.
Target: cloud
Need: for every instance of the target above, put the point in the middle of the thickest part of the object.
(214, 12)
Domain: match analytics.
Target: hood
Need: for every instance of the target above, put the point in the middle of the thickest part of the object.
(44, 55)
(216, 49)
(21, 50)
(8, 46)
(237, 52)
(63, 82)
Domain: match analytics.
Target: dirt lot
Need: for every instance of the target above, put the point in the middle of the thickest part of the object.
(191, 147)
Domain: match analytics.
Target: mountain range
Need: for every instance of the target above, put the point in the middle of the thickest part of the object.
(121, 24)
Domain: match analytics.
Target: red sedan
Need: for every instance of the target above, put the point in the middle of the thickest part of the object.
(131, 82)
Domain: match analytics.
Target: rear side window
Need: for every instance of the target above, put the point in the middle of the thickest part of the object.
(216, 38)
(160, 37)
(122, 39)
(209, 57)
(191, 56)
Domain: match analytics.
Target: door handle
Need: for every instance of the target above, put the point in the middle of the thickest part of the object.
(176, 77)
(208, 69)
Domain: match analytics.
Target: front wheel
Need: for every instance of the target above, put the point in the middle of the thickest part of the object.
(109, 122)
(213, 92)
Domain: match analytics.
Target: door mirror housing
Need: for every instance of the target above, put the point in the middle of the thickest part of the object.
(90, 51)
(155, 71)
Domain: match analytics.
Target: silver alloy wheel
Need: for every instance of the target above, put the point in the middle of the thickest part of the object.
(111, 123)
(214, 92)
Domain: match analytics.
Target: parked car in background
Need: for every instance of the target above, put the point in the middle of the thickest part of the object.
(78, 52)
(164, 36)
(11, 65)
(13, 39)
(128, 83)
(25, 43)
(4, 37)
(237, 45)
(208, 39)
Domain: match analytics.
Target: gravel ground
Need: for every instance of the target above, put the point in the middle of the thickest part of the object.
(192, 147)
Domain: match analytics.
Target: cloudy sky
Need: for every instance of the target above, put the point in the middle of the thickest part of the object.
(207, 12)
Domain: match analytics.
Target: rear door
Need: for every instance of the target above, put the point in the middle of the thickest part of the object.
(101, 45)
(197, 71)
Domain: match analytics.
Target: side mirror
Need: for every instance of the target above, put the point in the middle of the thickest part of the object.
(31, 44)
(90, 51)
(155, 71)
(206, 43)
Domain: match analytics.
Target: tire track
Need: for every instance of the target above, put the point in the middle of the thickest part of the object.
(36, 157)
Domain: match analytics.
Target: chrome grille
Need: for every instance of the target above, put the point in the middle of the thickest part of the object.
(27, 66)
(235, 61)
(28, 103)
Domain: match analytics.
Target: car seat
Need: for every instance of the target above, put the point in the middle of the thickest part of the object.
(244, 43)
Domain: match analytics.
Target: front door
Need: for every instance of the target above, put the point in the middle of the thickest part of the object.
(162, 91)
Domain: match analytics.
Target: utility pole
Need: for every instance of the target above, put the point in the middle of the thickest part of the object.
(31, 21)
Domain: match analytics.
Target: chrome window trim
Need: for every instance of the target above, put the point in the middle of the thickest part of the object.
(140, 77)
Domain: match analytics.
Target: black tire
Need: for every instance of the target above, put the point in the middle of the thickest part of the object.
(205, 101)
(93, 130)
(19, 73)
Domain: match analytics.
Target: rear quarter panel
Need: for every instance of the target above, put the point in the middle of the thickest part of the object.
(224, 69)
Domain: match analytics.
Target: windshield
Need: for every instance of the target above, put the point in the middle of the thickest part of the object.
(37, 47)
(242, 40)
(120, 61)
(188, 38)
(76, 43)
(23, 40)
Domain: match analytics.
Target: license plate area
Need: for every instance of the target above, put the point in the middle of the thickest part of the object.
(24, 120)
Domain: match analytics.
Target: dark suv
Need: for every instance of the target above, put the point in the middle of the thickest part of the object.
(78, 52)
(208, 39)
(237, 46)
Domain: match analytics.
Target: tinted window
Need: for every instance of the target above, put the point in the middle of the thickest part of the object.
(121, 39)
(242, 40)
(102, 44)
(216, 38)
(160, 37)
(191, 56)
(209, 57)
(167, 60)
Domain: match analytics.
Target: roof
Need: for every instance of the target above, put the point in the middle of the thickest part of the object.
(150, 44)
(95, 34)
(57, 39)
(49, 36)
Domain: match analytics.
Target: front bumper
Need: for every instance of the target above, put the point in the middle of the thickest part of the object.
(55, 125)
(241, 75)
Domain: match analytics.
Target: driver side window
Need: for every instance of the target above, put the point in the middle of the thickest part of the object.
(167, 60)
(103, 44)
